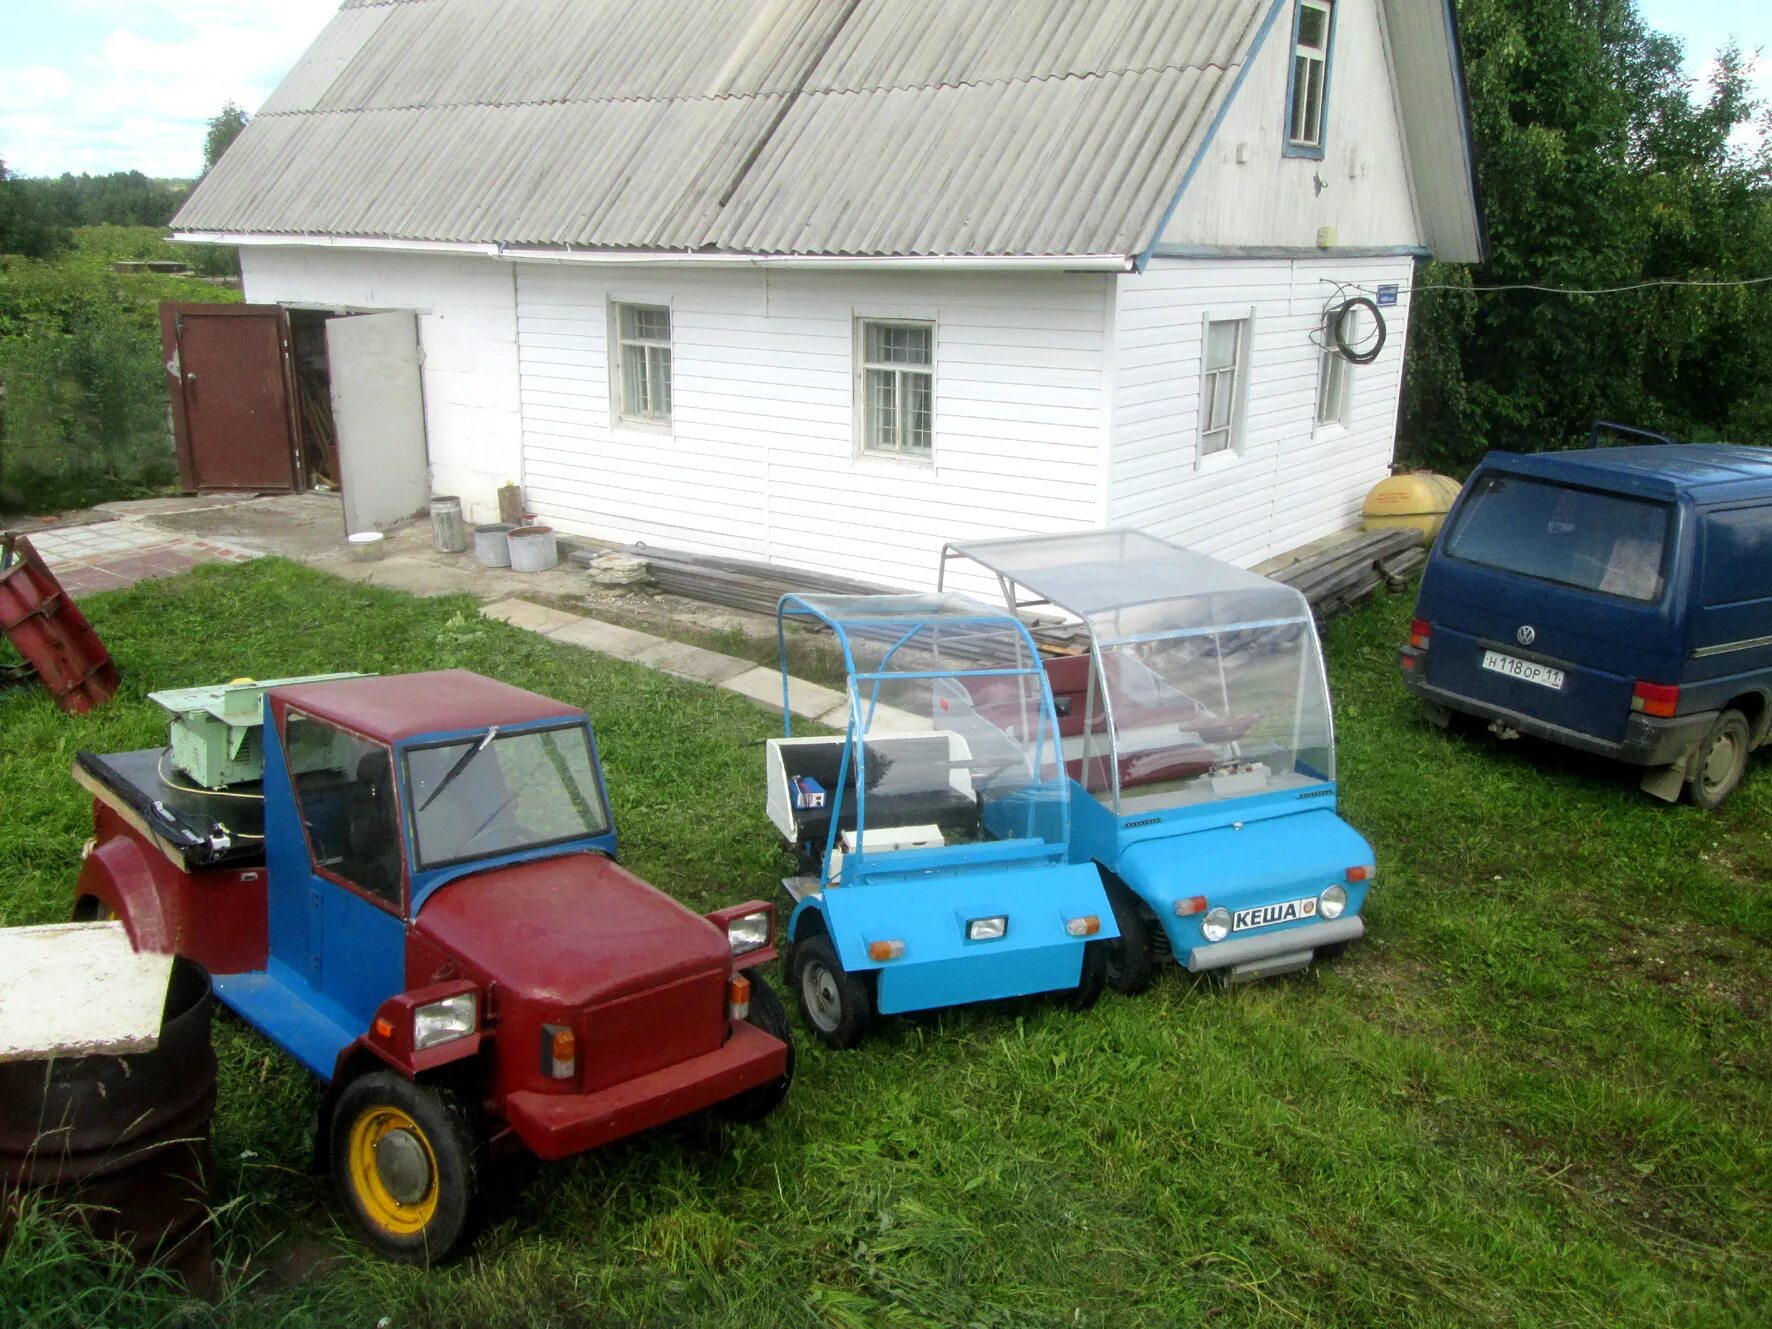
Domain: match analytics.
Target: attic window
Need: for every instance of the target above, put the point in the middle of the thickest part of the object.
(643, 340)
(1308, 90)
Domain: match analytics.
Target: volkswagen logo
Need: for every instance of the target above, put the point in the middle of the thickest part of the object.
(1526, 635)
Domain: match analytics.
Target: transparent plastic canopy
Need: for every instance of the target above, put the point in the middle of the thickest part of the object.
(952, 737)
(1203, 681)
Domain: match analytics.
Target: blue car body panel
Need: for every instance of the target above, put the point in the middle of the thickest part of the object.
(1241, 853)
(929, 911)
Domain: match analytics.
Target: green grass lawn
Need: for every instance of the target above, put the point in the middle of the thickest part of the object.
(1540, 1093)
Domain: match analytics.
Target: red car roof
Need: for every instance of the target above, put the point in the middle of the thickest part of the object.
(400, 706)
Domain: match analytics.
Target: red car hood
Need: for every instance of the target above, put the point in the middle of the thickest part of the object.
(574, 931)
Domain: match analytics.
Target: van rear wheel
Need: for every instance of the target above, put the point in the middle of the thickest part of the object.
(1722, 760)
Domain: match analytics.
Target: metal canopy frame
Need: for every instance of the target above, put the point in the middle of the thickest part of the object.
(1009, 579)
(906, 615)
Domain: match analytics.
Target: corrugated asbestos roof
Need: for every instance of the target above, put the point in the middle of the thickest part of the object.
(868, 127)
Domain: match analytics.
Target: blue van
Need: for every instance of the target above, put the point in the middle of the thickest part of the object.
(1614, 600)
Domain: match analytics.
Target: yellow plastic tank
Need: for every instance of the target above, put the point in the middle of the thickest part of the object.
(1416, 498)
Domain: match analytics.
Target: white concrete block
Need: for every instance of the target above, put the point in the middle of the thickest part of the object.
(78, 990)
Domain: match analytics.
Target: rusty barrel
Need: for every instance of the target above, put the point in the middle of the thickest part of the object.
(122, 1142)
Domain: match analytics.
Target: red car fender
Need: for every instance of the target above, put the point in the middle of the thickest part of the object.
(119, 875)
(389, 1036)
(764, 953)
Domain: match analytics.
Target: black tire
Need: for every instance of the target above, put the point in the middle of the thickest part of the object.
(1721, 760)
(1093, 979)
(771, 1016)
(1129, 966)
(436, 1159)
(833, 1002)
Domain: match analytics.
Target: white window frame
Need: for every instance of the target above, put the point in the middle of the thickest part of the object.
(1237, 389)
(864, 443)
(620, 347)
(1309, 68)
(1335, 384)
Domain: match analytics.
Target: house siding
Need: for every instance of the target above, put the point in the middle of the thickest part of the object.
(1289, 482)
(1360, 186)
(467, 330)
(759, 461)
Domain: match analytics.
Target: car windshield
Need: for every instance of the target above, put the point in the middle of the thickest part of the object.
(953, 742)
(1558, 533)
(1204, 681)
(496, 793)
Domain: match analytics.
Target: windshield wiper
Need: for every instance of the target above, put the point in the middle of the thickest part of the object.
(461, 764)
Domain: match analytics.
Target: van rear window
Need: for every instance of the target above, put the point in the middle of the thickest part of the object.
(1575, 537)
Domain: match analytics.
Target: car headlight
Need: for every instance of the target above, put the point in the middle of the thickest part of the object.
(750, 932)
(987, 929)
(1216, 926)
(1332, 902)
(440, 1021)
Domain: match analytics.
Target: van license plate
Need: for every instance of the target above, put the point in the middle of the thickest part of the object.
(1266, 915)
(1543, 675)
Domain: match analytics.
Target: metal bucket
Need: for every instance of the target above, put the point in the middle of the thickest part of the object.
(123, 1142)
(492, 546)
(533, 549)
(448, 534)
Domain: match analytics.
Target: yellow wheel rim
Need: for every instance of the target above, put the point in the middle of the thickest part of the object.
(378, 1133)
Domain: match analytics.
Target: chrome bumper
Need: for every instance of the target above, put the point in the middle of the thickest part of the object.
(1287, 943)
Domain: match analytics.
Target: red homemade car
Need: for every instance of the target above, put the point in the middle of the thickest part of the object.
(423, 904)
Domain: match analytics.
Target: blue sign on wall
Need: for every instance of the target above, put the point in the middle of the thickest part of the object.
(1387, 295)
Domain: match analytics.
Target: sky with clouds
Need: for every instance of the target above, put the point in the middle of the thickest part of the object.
(108, 85)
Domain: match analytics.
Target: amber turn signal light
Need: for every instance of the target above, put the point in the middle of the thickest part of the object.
(882, 951)
(738, 997)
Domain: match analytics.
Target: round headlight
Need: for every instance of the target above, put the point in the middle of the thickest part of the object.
(1217, 924)
(1333, 901)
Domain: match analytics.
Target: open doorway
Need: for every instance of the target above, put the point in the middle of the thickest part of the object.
(313, 397)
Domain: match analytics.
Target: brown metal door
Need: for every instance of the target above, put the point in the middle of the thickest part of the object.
(231, 379)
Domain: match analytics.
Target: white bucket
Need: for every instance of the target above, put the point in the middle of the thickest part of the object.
(366, 546)
(533, 549)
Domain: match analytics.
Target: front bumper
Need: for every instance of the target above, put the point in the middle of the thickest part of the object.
(555, 1126)
(1284, 945)
(1648, 740)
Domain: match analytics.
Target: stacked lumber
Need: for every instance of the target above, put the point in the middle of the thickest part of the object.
(1345, 574)
(735, 583)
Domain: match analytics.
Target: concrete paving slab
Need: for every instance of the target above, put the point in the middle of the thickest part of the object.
(76, 990)
(763, 686)
(531, 617)
(593, 634)
(686, 661)
(420, 577)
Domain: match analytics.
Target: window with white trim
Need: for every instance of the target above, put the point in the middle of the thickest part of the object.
(1226, 350)
(897, 387)
(1335, 373)
(643, 363)
(1309, 86)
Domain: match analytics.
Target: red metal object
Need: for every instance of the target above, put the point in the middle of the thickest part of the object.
(43, 623)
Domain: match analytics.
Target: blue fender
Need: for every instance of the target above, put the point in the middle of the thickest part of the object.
(940, 966)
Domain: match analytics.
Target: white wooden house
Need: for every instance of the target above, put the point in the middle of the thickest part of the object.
(828, 282)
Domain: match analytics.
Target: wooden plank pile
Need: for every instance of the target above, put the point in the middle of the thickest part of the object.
(1332, 579)
(733, 582)
(1347, 573)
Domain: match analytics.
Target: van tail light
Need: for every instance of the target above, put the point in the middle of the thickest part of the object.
(559, 1052)
(1420, 630)
(738, 998)
(1363, 873)
(1659, 699)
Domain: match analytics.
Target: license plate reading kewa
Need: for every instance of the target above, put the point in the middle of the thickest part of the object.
(1543, 675)
(1265, 915)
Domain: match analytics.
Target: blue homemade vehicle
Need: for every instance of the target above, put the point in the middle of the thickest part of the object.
(1201, 751)
(933, 834)
(1613, 600)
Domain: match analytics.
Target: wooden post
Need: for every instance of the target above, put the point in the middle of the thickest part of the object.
(510, 505)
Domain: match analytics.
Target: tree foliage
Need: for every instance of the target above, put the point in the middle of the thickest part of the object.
(27, 225)
(1598, 168)
(223, 130)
